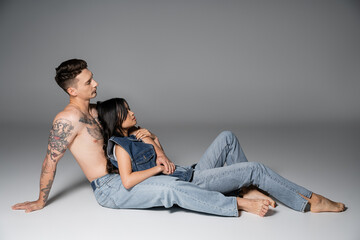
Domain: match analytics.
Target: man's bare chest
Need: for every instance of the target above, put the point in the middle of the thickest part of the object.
(90, 128)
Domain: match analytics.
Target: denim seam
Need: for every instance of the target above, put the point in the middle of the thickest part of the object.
(104, 181)
(100, 194)
(289, 188)
(222, 150)
(303, 206)
(286, 186)
(195, 199)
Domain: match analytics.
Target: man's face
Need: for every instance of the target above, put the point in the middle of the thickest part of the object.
(86, 85)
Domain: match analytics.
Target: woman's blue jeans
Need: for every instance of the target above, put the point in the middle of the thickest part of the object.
(204, 194)
(164, 191)
(211, 173)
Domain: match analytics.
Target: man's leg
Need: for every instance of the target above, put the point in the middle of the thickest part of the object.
(224, 149)
(162, 191)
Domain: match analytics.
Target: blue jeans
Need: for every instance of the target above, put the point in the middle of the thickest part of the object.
(211, 179)
(211, 173)
(162, 191)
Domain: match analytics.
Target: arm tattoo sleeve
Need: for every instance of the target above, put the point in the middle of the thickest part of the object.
(46, 190)
(58, 139)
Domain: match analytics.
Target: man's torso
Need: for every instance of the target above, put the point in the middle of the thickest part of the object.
(87, 146)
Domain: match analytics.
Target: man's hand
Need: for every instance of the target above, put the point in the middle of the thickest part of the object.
(61, 136)
(169, 166)
(29, 206)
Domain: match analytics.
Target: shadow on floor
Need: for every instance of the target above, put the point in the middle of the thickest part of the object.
(71, 188)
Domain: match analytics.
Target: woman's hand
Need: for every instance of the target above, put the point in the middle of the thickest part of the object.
(161, 158)
(168, 165)
(143, 132)
(29, 206)
(163, 169)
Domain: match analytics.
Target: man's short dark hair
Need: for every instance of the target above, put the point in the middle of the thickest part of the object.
(67, 71)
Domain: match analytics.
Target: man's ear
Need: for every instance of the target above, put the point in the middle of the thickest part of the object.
(72, 91)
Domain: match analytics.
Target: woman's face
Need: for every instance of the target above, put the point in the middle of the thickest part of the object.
(130, 120)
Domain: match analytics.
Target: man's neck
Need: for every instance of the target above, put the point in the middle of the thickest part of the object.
(82, 105)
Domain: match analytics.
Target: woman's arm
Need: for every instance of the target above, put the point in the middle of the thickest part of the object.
(141, 133)
(148, 137)
(128, 177)
(161, 158)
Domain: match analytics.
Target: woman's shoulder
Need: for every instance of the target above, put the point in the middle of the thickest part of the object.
(123, 140)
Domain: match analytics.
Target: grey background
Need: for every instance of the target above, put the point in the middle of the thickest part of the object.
(187, 62)
(282, 75)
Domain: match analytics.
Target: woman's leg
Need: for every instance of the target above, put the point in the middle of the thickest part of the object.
(224, 149)
(164, 191)
(236, 176)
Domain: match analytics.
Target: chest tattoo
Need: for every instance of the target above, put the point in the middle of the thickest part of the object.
(92, 127)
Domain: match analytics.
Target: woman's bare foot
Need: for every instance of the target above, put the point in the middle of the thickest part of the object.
(256, 206)
(252, 193)
(319, 204)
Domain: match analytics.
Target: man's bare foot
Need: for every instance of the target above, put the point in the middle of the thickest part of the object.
(319, 204)
(256, 206)
(252, 193)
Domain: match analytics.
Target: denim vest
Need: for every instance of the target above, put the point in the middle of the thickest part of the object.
(143, 156)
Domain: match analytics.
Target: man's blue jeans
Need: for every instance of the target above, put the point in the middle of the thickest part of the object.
(211, 179)
(211, 173)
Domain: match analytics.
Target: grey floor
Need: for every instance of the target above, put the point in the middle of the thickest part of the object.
(324, 159)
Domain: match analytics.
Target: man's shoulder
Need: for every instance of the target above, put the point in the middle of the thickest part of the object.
(69, 115)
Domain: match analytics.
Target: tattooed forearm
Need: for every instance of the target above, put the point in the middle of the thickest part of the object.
(48, 172)
(58, 141)
(47, 167)
(46, 190)
(44, 169)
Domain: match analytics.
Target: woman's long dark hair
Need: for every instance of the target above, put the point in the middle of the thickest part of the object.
(111, 115)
